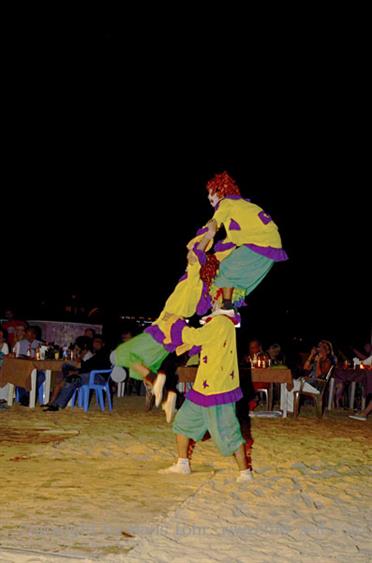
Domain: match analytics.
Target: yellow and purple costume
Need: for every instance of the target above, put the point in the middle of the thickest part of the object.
(250, 249)
(217, 378)
(152, 346)
(210, 404)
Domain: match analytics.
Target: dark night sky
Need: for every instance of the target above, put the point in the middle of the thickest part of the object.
(108, 156)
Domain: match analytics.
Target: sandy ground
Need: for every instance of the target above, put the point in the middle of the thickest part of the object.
(85, 487)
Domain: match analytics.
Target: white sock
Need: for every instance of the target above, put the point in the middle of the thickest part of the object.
(183, 461)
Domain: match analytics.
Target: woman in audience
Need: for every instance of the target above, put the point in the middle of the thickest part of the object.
(316, 368)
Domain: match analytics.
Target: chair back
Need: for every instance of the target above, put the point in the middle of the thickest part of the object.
(326, 380)
(328, 377)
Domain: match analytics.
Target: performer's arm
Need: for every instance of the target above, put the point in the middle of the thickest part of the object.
(202, 245)
(198, 336)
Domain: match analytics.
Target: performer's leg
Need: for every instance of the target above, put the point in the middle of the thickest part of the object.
(190, 449)
(182, 445)
(182, 466)
(241, 458)
(192, 445)
(245, 473)
(169, 406)
(189, 422)
(227, 293)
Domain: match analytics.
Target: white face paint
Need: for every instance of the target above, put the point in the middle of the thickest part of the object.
(213, 199)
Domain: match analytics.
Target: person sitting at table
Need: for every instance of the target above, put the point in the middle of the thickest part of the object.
(90, 333)
(316, 368)
(4, 348)
(99, 361)
(275, 355)
(360, 358)
(366, 356)
(82, 351)
(20, 334)
(12, 325)
(255, 353)
(26, 349)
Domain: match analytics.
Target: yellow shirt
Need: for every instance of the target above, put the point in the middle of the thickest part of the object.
(218, 372)
(247, 223)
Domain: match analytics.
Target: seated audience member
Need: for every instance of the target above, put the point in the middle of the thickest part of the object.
(274, 353)
(255, 353)
(366, 356)
(20, 334)
(99, 361)
(363, 415)
(4, 351)
(90, 333)
(4, 348)
(360, 358)
(82, 351)
(26, 348)
(11, 325)
(316, 367)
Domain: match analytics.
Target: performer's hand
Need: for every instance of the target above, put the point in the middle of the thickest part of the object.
(166, 316)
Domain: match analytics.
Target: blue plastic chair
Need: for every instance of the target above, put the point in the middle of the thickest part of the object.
(40, 394)
(99, 388)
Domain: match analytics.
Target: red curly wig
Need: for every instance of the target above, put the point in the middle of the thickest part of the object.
(223, 185)
(209, 270)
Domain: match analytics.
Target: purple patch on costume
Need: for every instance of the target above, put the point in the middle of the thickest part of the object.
(234, 226)
(176, 333)
(157, 334)
(205, 359)
(222, 246)
(200, 254)
(213, 400)
(184, 277)
(240, 303)
(194, 350)
(205, 384)
(265, 217)
(276, 254)
(236, 319)
(246, 199)
(233, 197)
(205, 302)
(201, 231)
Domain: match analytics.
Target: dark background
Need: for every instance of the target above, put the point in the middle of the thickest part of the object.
(111, 137)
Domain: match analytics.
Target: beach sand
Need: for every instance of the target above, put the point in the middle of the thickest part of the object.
(85, 487)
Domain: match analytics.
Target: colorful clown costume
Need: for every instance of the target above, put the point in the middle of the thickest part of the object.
(152, 346)
(210, 404)
(252, 244)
